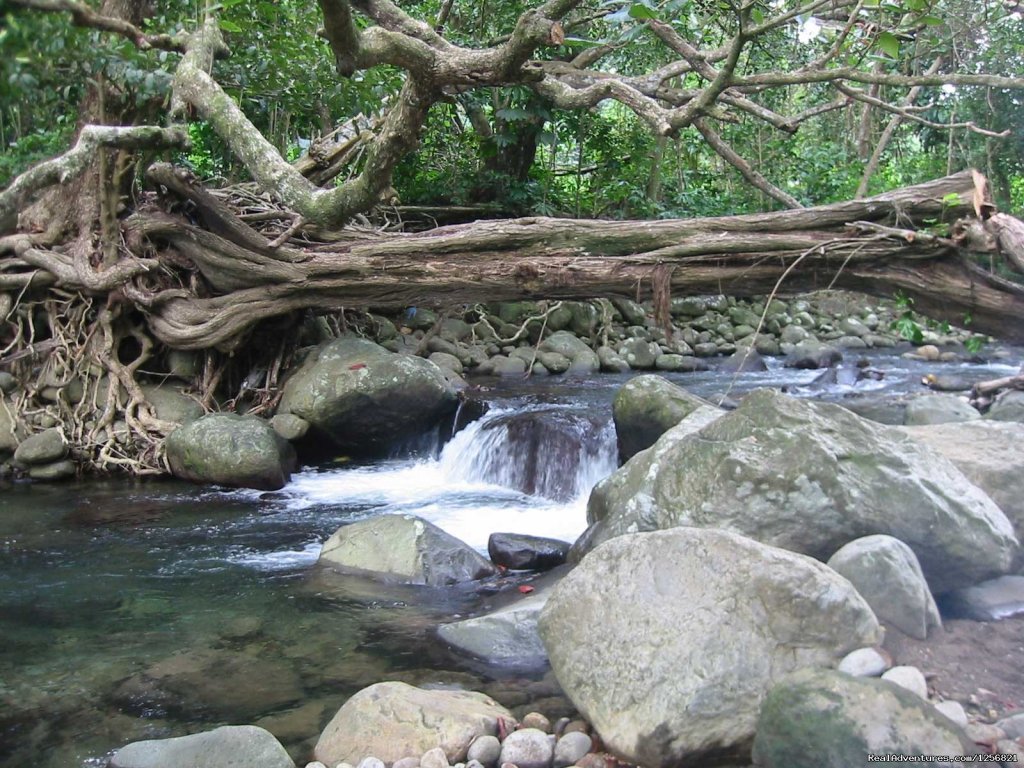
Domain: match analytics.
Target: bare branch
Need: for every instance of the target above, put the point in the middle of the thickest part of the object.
(730, 155)
(84, 16)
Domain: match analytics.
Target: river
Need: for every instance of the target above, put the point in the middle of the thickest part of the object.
(133, 610)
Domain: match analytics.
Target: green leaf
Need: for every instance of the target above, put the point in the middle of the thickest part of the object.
(888, 44)
(229, 26)
(932, 21)
(641, 12)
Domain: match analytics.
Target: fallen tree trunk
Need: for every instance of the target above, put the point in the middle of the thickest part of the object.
(868, 245)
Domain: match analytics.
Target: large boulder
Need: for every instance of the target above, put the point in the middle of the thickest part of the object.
(406, 549)
(231, 746)
(506, 637)
(394, 720)
(668, 641)
(363, 398)
(886, 573)
(645, 407)
(43, 447)
(939, 409)
(519, 552)
(820, 718)
(989, 455)
(808, 477)
(227, 449)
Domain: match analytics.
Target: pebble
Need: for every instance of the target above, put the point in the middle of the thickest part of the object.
(485, 750)
(865, 662)
(536, 720)
(571, 748)
(315, 764)
(954, 711)
(371, 762)
(528, 748)
(595, 760)
(407, 762)
(576, 725)
(434, 758)
(1013, 726)
(910, 678)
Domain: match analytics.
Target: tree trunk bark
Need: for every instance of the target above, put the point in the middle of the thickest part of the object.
(860, 245)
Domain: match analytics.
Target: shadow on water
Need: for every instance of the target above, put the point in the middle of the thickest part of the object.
(132, 610)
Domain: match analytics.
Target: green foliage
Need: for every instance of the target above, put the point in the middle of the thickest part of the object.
(906, 323)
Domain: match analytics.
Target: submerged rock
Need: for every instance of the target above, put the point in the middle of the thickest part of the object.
(668, 641)
(808, 477)
(363, 398)
(939, 409)
(231, 746)
(507, 637)
(393, 720)
(819, 718)
(406, 549)
(227, 449)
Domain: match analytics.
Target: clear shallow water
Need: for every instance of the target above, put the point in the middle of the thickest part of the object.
(142, 610)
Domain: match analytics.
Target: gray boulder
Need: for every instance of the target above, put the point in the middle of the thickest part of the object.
(1008, 406)
(289, 426)
(939, 409)
(632, 313)
(231, 746)
(743, 361)
(668, 641)
(645, 407)
(364, 398)
(169, 404)
(811, 353)
(610, 360)
(640, 354)
(406, 549)
(43, 447)
(819, 718)
(507, 637)
(227, 449)
(989, 455)
(394, 720)
(808, 477)
(886, 573)
(58, 470)
(527, 748)
(584, 359)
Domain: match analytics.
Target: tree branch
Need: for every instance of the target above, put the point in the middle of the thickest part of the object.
(76, 160)
(84, 16)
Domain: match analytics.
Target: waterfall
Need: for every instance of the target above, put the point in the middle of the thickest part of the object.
(555, 453)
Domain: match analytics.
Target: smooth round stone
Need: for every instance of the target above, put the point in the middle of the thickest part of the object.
(407, 762)
(371, 762)
(571, 748)
(315, 764)
(910, 678)
(865, 662)
(434, 758)
(536, 720)
(577, 725)
(984, 733)
(527, 748)
(485, 750)
(954, 711)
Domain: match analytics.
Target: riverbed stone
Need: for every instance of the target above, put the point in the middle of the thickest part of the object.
(865, 662)
(392, 720)
(230, 746)
(668, 641)
(584, 359)
(632, 313)
(485, 750)
(58, 470)
(640, 354)
(289, 426)
(645, 407)
(819, 718)
(939, 409)
(506, 637)
(521, 552)
(570, 749)
(808, 477)
(7, 383)
(527, 748)
(43, 447)
(811, 354)
(446, 360)
(228, 449)
(610, 361)
(405, 549)
(744, 360)
(953, 710)
(886, 573)
(909, 678)
(363, 398)
(171, 404)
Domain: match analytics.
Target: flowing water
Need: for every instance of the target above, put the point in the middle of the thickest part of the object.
(134, 610)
